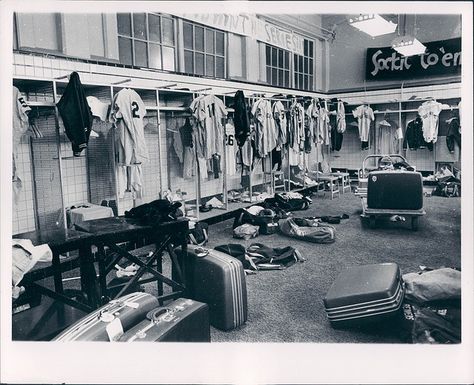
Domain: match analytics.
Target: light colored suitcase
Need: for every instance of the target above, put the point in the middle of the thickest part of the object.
(110, 321)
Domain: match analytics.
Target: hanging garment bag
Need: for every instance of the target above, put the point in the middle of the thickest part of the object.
(217, 279)
(109, 322)
(183, 320)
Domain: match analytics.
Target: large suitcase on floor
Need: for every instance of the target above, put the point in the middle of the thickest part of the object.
(396, 190)
(110, 321)
(183, 320)
(217, 279)
(365, 293)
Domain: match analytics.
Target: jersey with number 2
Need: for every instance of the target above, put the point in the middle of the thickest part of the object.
(129, 111)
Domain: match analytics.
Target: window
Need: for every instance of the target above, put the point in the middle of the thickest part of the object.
(147, 40)
(204, 51)
(278, 66)
(304, 67)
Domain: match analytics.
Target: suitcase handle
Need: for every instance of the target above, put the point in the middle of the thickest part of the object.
(154, 314)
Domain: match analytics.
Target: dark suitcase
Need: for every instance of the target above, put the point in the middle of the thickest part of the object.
(365, 293)
(183, 320)
(110, 321)
(217, 279)
(396, 190)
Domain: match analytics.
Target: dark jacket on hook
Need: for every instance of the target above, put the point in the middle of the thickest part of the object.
(76, 114)
(454, 136)
(414, 136)
(241, 118)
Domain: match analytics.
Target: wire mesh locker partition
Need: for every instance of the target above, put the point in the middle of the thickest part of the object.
(40, 199)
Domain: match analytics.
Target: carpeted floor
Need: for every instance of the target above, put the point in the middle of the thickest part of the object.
(286, 306)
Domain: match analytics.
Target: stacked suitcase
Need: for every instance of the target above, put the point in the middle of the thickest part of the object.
(365, 293)
(217, 279)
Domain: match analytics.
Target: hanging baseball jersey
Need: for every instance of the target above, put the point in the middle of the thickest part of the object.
(323, 126)
(340, 117)
(279, 116)
(128, 113)
(131, 150)
(230, 149)
(429, 113)
(266, 135)
(388, 138)
(365, 117)
(20, 117)
(20, 126)
(312, 114)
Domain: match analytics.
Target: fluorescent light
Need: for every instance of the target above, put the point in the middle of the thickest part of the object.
(408, 46)
(373, 25)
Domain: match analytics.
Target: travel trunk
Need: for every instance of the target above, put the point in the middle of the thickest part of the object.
(183, 320)
(399, 190)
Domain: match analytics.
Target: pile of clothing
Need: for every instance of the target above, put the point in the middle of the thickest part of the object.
(432, 306)
(260, 257)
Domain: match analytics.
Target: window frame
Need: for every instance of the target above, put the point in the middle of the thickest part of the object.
(147, 41)
(310, 70)
(214, 54)
(293, 71)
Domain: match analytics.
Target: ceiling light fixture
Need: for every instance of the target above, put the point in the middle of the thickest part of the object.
(373, 24)
(408, 46)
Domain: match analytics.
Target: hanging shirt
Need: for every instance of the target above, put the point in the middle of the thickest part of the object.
(312, 116)
(209, 111)
(230, 149)
(131, 150)
(128, 113)
(365, 117)
(20, 117)
(266, 135)
(323, 126)
(429, 113)
(340, 117)
(389, 135)
(279, 116)
(98, 108)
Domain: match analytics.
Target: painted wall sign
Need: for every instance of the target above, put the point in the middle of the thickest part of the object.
(441, 58)
(249, 25)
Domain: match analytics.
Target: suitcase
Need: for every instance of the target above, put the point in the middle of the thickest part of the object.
(110, 321)
(399, 190)
(217, 279)
(183, 320)
(365, 293)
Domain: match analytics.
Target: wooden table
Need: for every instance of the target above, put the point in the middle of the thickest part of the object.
(107, 235)
(62, 241)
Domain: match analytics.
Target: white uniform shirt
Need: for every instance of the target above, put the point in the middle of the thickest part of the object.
(279, 115)
(365, 116)
(230, 149)
(266, 135)
(20, 117)
(429, 113)
(128, 114)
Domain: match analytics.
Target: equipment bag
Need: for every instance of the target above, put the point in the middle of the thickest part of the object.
(199, 234)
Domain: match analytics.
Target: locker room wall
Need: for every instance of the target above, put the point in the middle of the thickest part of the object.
(352, 45)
